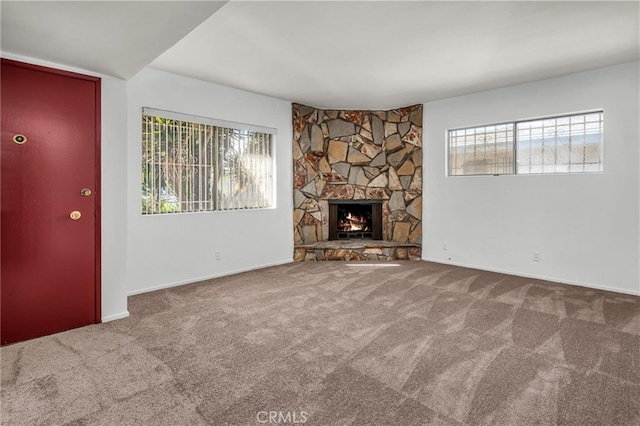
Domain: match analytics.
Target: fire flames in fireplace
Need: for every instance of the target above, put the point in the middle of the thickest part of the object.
(353, 222)
(355, 219)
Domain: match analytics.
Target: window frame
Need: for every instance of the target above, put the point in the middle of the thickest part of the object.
(218, 125)
(515, 123)
(447, 137)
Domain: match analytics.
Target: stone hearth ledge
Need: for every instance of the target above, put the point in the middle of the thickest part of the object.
(356, 250)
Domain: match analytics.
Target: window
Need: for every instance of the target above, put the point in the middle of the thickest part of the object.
(195, 164)
(564, 144)
(484, 150)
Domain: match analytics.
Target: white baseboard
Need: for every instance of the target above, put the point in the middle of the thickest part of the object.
(539, 277)
(114, 317)
(208, 277)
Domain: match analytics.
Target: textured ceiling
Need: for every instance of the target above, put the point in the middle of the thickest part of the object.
(389, 54)
(330, 54)
(116, 38)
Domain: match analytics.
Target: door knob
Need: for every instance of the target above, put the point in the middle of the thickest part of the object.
(75, 215)
(85, 192)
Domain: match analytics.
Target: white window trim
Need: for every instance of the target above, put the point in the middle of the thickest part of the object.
(207, 120)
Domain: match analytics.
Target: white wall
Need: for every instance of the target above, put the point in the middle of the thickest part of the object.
(167, 250)
(114, 182)
(585, 226)
(114, 199)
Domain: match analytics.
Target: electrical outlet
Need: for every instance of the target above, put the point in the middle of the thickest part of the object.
(218, 255)
(536, 256)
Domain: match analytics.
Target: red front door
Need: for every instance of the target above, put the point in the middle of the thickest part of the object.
(50, 201)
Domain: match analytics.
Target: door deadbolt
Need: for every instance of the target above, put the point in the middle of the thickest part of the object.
(85, 192)
(75, 215)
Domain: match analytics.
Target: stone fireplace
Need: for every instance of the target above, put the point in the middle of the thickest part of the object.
(365, 164)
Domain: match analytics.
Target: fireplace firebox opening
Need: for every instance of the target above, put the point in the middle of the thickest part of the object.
(355, 219)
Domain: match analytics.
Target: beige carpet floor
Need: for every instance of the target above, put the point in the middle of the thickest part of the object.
(333, 343)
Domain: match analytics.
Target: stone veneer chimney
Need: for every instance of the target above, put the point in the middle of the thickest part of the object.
(357, 155)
